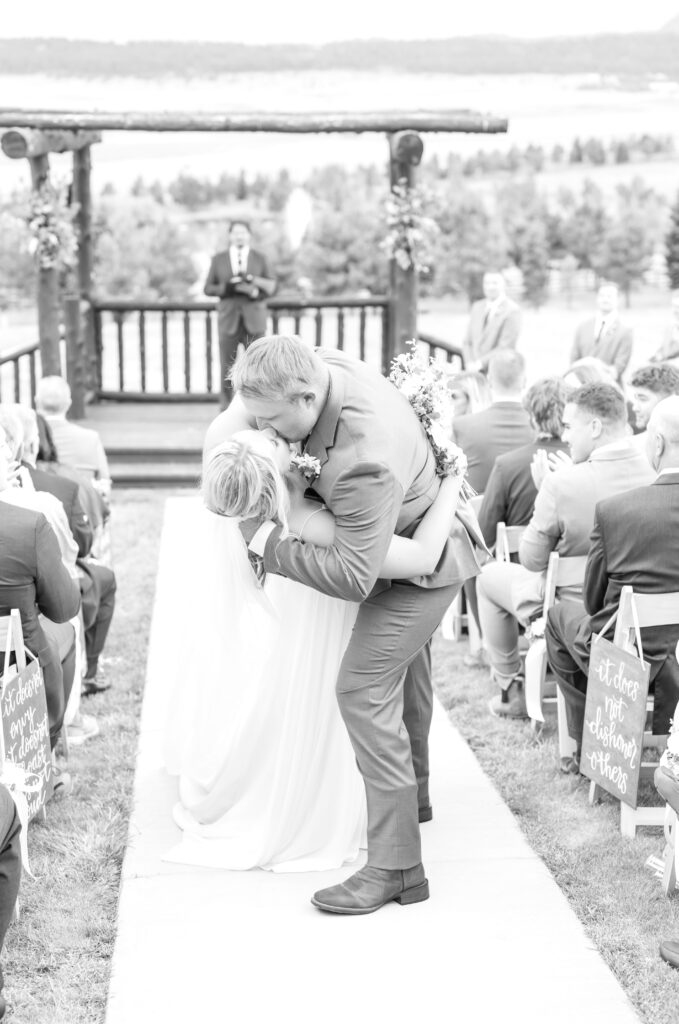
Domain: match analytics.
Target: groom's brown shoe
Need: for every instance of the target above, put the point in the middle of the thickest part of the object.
(370, 888)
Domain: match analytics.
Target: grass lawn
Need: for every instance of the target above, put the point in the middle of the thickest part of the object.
(57, 957)
(619, 901)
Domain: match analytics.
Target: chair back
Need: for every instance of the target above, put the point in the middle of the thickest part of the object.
(507, 541)
(651, 609)
(568, 571)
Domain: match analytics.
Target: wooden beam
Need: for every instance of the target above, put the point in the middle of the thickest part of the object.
(82, 195)
(294, 123)
(405, 154)
(30, 142)
(48, 290)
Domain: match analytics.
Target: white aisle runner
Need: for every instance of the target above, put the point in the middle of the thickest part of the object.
(497, 941)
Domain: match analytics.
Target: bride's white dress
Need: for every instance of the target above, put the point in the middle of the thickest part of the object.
(267, 776)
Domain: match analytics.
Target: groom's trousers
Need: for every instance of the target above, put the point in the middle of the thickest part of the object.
(391, 629)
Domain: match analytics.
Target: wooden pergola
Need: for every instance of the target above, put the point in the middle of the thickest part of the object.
(33, 135)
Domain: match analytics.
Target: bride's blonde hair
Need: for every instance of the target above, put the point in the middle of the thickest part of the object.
(241, 480)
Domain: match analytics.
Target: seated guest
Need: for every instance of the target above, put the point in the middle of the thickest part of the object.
(24, 494)
(65, 490)
(510, 492)
(501, 427)
(10, 870)
(633, 543)
(33, 579)
(648, 386)
(97, 582)
(77, 446)
(48, 462)
(589, 370)
(606, 462)
(469, 392)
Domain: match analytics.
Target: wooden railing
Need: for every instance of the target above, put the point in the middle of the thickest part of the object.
(445, 351)
(19, 374)
(163, 351)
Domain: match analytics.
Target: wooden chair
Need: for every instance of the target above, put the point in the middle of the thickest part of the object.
(561, 572)
(507, 541)
(652, 610)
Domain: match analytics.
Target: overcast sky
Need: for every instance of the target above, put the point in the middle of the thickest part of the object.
(317, 21)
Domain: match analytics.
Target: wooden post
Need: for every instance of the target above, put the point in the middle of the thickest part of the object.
(75, 356)
(48, 291)
(82, 194)
(405, 150)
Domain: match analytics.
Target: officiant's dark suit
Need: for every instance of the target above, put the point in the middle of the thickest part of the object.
(633, 543)
(240, 279)
(378, 477)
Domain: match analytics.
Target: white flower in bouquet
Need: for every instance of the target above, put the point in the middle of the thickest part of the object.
(536, 629)
(670, 756)
(673, 743)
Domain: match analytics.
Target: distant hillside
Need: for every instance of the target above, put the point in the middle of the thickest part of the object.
(631, 56)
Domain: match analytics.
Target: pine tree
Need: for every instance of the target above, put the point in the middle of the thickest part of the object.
(672, 246)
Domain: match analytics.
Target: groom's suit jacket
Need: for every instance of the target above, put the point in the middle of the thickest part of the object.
(378, 477)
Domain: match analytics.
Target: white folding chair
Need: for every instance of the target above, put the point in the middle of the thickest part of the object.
(507, 541)
(561, 572)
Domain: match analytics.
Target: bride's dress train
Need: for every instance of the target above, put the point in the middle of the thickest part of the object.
(267, 776)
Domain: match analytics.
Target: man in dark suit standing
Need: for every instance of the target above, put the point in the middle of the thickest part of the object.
(494, 323)
(240, 279)
(632, 544)
(605, 336)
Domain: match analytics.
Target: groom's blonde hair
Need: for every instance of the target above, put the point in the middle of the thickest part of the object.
(241, 481)
(278, 367)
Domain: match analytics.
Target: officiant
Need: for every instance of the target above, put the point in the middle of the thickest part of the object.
(240, 279)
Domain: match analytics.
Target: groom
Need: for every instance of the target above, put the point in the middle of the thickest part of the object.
(377, 477)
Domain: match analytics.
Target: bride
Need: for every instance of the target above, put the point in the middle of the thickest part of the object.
(267, 776)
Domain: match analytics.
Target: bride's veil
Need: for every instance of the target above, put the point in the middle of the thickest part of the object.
(218, 631)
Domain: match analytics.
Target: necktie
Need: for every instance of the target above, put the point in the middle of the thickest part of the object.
(240, 269)
(602, 326)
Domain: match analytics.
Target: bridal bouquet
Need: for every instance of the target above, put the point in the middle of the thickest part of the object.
(424, 385)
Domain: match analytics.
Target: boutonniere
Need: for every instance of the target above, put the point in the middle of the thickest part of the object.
(308, 465)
